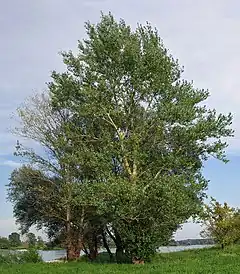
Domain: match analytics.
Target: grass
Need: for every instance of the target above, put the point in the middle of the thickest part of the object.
(202, 261)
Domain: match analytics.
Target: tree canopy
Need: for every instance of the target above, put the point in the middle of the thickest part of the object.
(221, 223)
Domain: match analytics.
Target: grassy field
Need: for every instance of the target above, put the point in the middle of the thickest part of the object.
(196, 261)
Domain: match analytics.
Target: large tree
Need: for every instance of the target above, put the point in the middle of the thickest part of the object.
(140, 130)
(128, 134)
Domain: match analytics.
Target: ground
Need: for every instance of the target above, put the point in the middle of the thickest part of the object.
(204, 261)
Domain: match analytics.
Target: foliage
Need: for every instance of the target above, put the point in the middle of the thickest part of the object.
(221, 223)
(44, 191)
(14, 239)
(40, 243)
(31, 239)
(29, 256)
(4, 243)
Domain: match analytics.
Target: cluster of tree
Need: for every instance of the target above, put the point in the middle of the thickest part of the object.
(204, 241)
(123, 141)
(221, 223)
(4, 243)
(14, 240)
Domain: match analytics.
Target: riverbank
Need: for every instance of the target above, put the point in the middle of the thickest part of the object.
(204, 261)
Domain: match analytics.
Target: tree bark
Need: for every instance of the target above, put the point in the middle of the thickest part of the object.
(73, 242)
(74, 247)
(105, 244)
(119, 254)
(136, 260)
(119, 248)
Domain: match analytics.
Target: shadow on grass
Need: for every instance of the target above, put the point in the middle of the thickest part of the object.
(104, 258)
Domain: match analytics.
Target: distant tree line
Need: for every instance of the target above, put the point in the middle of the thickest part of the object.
(14, 241)
(188, 242)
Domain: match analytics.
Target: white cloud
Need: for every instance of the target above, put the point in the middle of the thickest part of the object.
(188, 231)
(10, 163)
(9, 225)
(203, 35)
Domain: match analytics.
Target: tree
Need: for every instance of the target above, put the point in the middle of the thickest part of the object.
(44, 191)
(221, 223)
(40, 242)
(141, 134)
(4, 243)
(39, 200)
(125, 139)
(31, 239)
(14, 239)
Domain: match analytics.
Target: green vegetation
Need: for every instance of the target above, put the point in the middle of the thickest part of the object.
(31, 239)
(124, 139)
(205, 261)
(221, 223)
(29, 256)
(14, 239)
(4, 243)
(13, 242)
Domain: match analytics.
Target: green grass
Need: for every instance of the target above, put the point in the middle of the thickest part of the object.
(196, 261)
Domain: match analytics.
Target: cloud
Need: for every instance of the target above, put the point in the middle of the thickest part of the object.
(203, 35)
(10, 163)
(9, 225)
(189, 230)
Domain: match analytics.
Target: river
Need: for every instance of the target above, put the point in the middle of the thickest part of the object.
(50, 255)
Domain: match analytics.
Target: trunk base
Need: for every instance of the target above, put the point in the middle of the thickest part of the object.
(120, 255)
(137, 261)
(72, 253)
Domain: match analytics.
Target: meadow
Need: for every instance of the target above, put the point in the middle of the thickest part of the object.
(211, 260)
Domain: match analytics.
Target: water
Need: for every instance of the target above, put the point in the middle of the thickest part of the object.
(51, 255)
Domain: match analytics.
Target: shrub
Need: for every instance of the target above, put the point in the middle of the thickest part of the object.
(29, 256)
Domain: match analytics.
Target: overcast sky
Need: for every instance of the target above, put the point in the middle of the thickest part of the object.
(203, 35)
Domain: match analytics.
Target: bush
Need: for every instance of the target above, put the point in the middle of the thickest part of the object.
(29, 256)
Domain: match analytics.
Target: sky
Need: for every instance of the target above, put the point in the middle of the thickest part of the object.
(203, 35)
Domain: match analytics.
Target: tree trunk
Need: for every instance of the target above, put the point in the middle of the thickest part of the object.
(93, 248)
(119, 245)
(72, 254)
(222, 246)
(105, 244)
(119, 248)
(119, 254)
(73, 243)
(93, 254)
(136, 260)
(73, 249)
